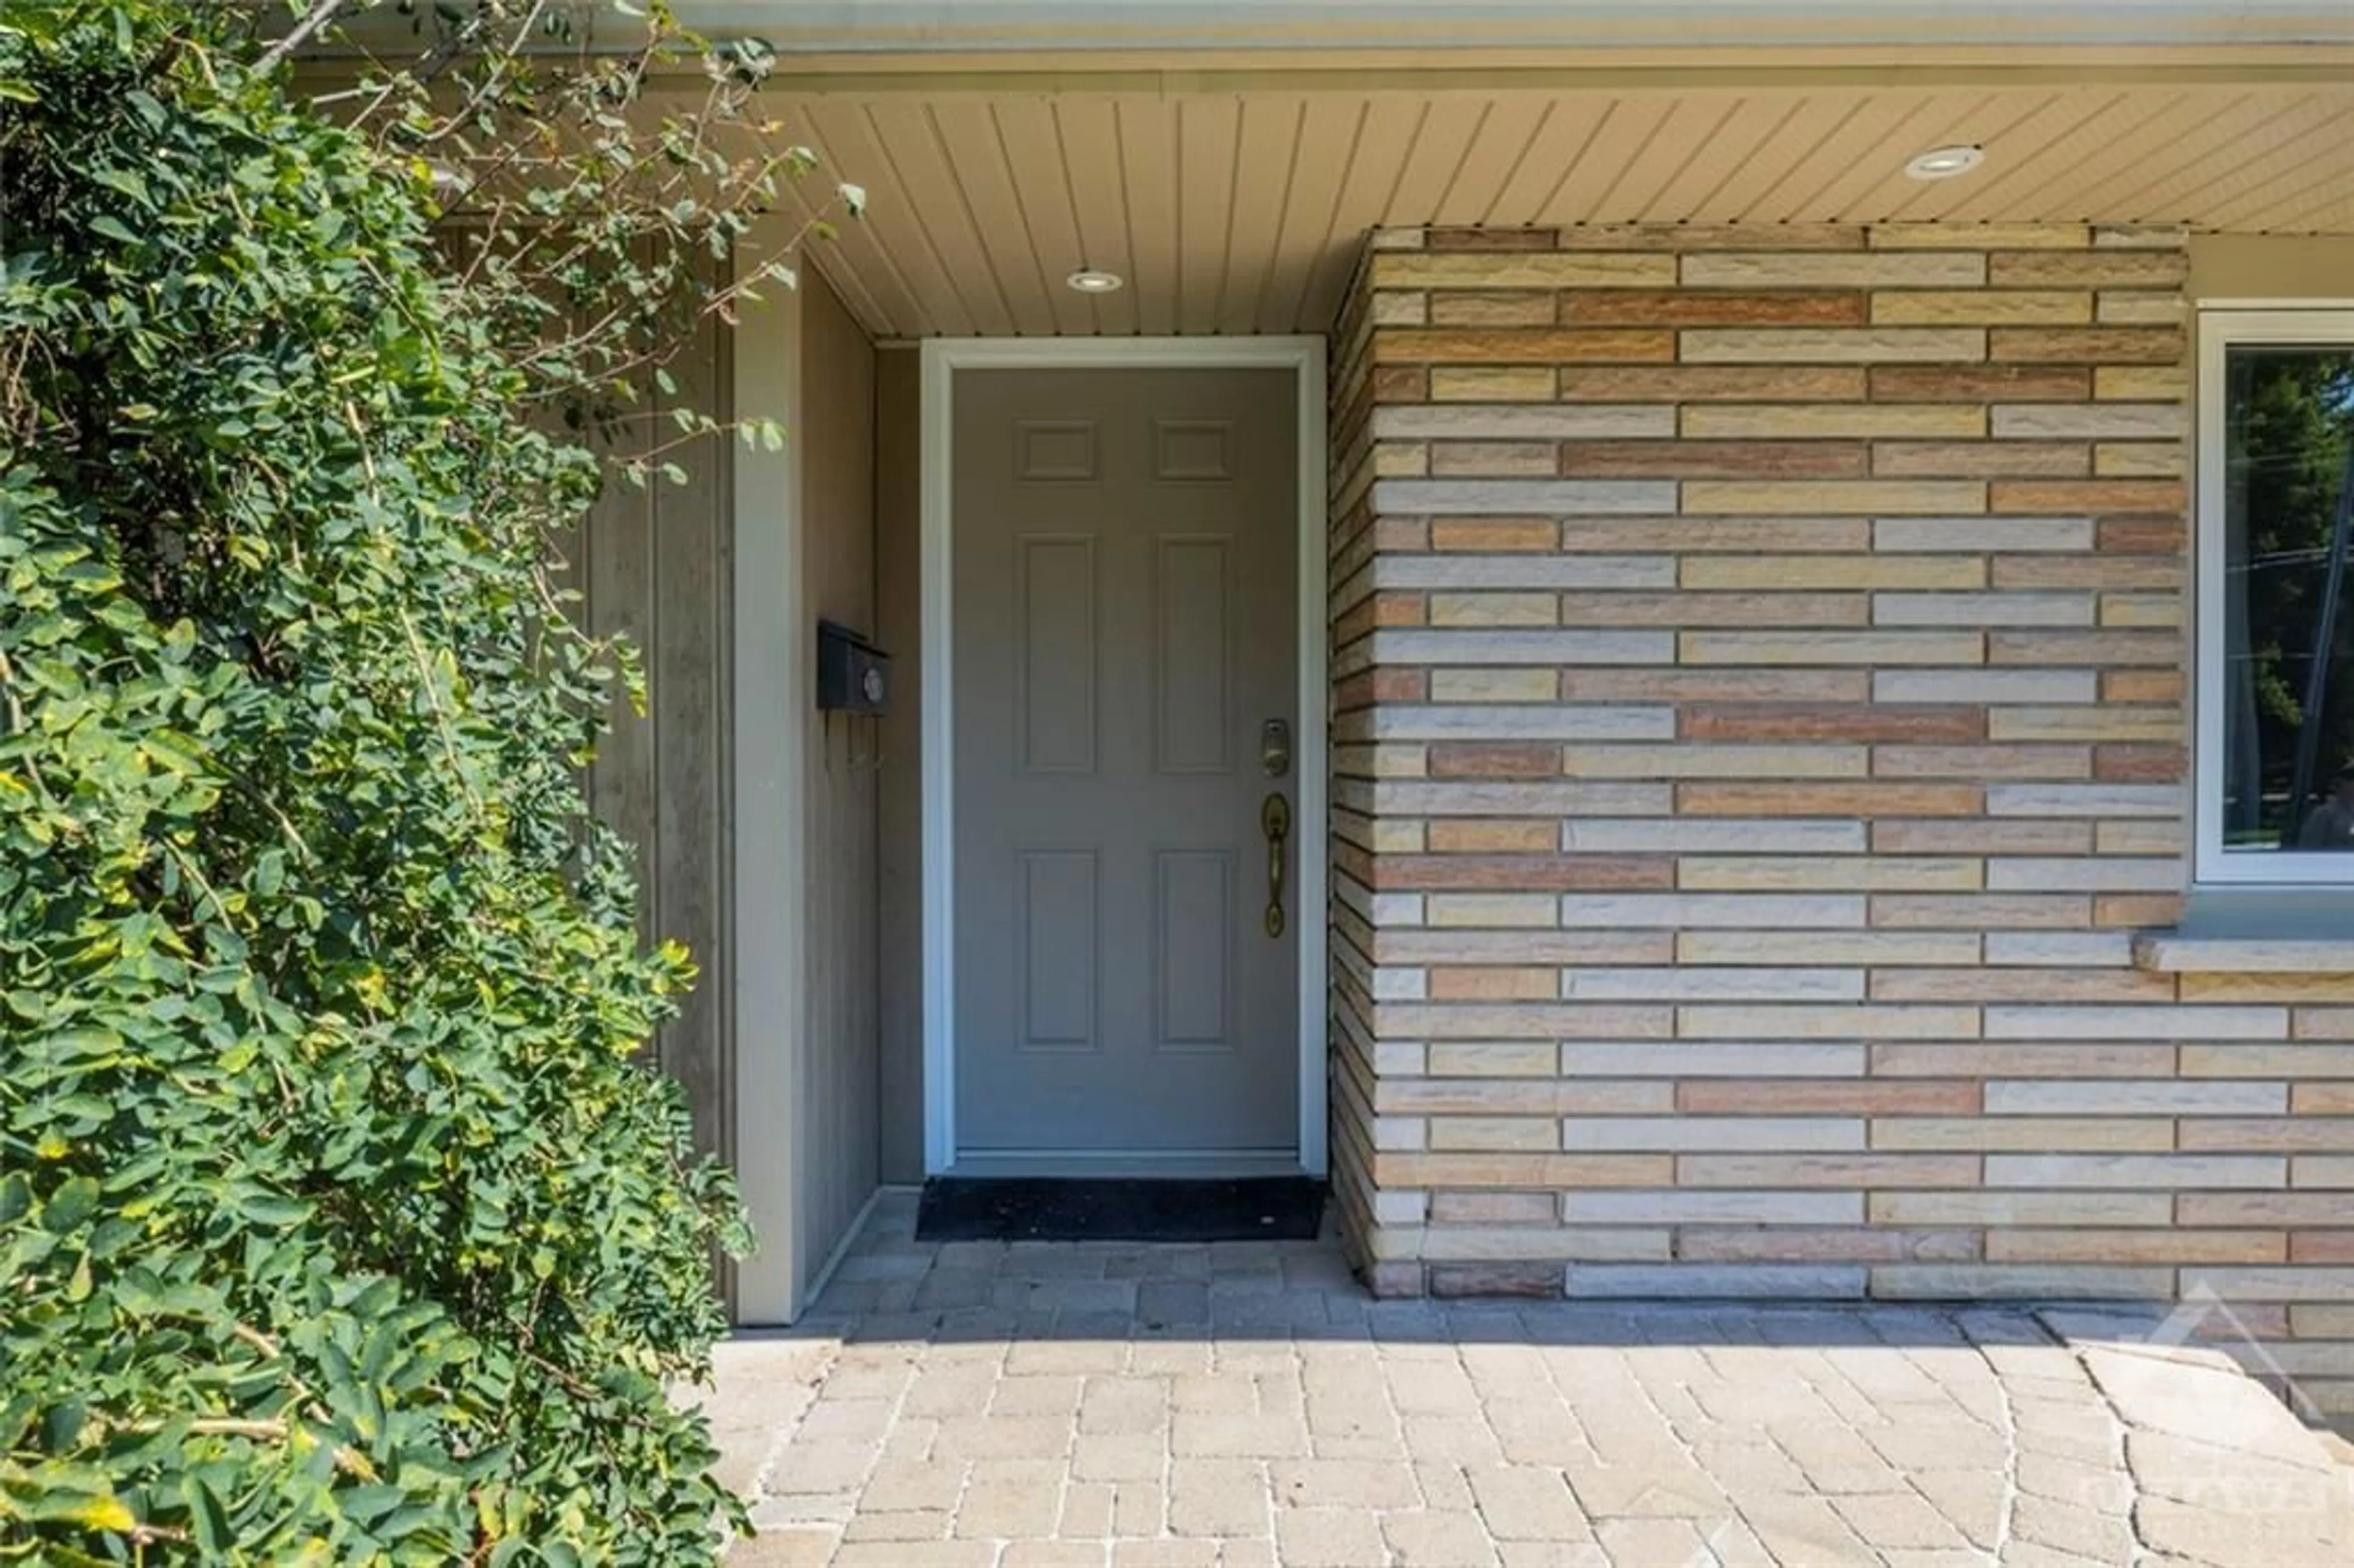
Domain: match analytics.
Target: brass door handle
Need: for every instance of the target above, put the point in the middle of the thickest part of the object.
(1274, 820)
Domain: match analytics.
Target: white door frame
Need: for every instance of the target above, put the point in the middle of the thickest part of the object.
(942, 358)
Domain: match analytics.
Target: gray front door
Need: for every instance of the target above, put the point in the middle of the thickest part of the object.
(1124, 579)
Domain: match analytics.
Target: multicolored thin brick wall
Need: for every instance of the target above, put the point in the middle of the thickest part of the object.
(1760, 734)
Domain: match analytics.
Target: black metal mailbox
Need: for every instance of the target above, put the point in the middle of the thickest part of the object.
(853, 676)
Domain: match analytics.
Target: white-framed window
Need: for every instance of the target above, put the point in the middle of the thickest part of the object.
(2275, 696)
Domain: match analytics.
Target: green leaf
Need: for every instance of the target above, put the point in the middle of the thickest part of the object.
(128, 181)
(273, 1209)
(80, 1503)
(84, 1041)
(206, 1518)
(75, 1199)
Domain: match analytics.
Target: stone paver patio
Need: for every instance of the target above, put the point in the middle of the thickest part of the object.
(1248, 1405)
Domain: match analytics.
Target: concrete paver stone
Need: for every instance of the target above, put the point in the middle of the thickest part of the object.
(1247, 1405)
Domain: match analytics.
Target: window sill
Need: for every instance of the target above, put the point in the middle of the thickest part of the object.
(2255, 930)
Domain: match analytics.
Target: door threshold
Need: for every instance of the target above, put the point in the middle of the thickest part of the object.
(1067, 1209)
(1136, 1164)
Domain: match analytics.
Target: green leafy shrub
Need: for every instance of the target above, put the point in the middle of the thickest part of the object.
(340, 1218)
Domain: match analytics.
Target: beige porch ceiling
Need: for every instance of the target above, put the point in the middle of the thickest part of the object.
(1235, 204)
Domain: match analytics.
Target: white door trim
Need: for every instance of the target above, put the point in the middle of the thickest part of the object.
(942, 358)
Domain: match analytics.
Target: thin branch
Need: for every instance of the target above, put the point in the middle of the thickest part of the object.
(258, 1339)
(349, 1460)
(301, 32)
(500, 57)
(16, 725)
(189, 869)
(442, 721)
(246, 787)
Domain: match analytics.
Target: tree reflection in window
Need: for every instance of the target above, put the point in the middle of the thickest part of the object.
(2288, 766)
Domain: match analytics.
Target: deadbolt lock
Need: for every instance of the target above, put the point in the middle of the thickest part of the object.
(1275, 748)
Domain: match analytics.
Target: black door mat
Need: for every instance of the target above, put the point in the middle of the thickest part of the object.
(1276, 1208)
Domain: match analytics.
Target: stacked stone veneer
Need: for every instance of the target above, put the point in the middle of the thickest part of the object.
(1760, 730)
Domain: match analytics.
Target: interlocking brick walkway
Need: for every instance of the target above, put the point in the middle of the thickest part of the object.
(1244, 1406)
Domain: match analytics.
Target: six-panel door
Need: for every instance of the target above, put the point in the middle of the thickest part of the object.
(1124, 570)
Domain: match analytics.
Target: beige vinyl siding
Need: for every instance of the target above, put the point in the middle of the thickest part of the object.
(653, 563)
(838, 1120)
(898, 553)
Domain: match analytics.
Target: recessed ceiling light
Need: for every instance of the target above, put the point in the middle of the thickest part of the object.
(1944, 163)
(1089, 281)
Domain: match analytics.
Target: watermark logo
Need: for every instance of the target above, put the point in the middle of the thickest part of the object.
(2202, 1317)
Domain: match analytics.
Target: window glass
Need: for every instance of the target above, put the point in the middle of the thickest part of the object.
(2289, 606)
